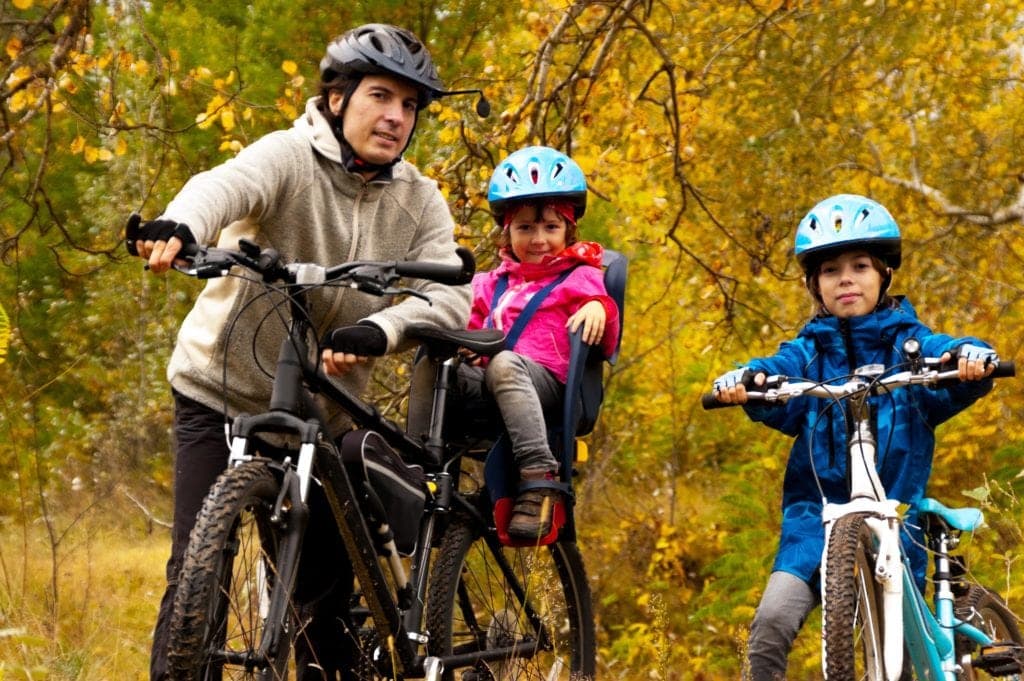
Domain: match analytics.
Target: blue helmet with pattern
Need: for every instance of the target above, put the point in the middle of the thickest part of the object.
(847, 222)
(536, 173)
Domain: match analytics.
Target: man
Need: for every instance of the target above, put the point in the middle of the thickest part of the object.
(331, 189)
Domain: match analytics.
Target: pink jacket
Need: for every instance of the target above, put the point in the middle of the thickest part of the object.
(545, 339)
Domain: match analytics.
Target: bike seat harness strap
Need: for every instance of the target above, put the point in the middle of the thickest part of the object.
(512, 335)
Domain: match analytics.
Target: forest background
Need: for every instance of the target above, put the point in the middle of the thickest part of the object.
(706, 129)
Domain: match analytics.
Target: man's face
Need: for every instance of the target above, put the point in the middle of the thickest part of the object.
(379, 118)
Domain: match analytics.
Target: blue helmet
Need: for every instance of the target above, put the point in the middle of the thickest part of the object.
(537, 173)
(846, 222)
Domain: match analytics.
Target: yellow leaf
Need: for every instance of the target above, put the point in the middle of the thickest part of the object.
(77, 145)
(23, 4)
(227, 119)
(215, 103)
(21, 73)
(18, 101)
(104, 154)
(122, 147)
(91, 154)
(13, 48)
(289, 67)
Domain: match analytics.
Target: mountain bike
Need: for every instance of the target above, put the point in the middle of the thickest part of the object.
(461, 601)
(873, 614)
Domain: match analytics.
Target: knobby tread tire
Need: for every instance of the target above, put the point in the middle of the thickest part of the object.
(248, 490)
(464, 572)
(851, 621)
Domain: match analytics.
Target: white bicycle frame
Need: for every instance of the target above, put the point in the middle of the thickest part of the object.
(909, 623)
(906, 617)
(867, 496)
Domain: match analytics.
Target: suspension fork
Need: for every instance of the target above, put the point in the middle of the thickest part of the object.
(291, 510)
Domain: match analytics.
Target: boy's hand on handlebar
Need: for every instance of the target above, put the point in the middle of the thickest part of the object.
(592, 318)
(974, 362)
(731, 387)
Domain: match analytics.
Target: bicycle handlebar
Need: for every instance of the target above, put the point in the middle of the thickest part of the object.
(207, 262)
(931, 373)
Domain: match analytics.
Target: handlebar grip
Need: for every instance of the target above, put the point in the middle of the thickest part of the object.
(709, 401)
(1005, 369)
(451, 275)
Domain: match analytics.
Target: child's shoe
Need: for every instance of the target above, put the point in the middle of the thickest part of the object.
(533, 510)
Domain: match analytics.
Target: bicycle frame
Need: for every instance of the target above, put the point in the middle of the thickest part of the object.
(318, 454)
(394, 599)
(928, 637)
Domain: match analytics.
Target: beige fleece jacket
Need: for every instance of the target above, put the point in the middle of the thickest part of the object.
(289, 190)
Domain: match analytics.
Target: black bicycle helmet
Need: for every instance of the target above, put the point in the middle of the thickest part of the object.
(384, 50)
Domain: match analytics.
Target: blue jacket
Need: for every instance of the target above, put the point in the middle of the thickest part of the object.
(828, 348)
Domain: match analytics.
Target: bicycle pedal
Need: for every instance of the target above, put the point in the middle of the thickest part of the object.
(1000, 659)
(479, 672)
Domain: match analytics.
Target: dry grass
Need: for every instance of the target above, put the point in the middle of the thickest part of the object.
(96, 624)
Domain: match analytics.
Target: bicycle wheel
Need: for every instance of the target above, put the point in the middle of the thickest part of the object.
(218, 622)
(512, 613)
(851, 624)
(986, 611)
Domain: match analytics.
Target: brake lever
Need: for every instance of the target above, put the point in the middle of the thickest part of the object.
(201, 265)
(389, 291)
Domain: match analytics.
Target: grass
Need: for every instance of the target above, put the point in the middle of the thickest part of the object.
(97, 623)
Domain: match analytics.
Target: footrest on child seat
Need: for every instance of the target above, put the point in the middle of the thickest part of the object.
(1000, 659)
(504, 507)
(502, 479)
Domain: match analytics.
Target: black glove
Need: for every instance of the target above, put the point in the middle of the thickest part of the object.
(364, 338)
(155, 230)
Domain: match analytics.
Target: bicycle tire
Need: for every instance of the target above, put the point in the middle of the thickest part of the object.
(851, 622)
(985, 610)
(216, 626)
(472, 607)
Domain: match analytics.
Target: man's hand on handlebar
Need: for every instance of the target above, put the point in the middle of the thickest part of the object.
(157, 241)
(731, 387)
(340, 363)
(349, 346)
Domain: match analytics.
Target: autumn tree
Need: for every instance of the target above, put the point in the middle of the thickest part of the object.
(706, 131)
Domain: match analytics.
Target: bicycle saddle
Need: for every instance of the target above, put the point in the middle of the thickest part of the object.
(441, 342)
(966, 519)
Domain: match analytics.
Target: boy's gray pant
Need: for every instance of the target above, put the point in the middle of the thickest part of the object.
(785, 604)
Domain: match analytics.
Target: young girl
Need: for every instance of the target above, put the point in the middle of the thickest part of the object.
(848, 247)
(537, 195)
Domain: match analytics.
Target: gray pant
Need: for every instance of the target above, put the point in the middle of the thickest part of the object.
(523, 390)
(785, 604)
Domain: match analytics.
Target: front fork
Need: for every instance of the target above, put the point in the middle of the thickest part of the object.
(882, 518)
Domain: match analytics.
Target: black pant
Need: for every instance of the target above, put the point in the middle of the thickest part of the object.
(324, 648)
